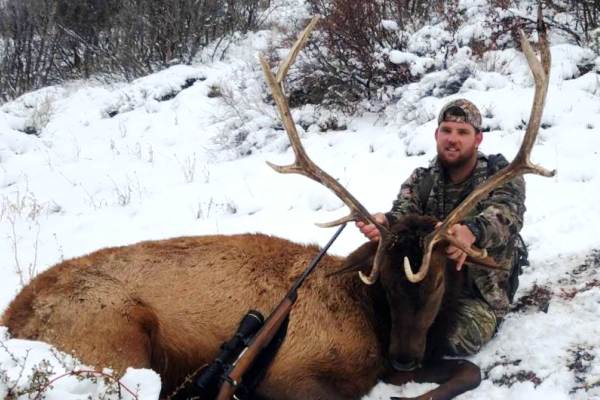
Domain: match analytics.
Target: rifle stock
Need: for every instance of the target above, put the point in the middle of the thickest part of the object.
(270, 328)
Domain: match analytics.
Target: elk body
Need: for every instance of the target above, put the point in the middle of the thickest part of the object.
(168, 305)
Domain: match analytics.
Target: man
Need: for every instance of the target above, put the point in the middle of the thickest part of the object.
(493, 225)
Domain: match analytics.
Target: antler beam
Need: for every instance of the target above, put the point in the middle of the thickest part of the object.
(303, 165)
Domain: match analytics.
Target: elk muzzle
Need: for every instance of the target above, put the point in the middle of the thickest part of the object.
(406, 352)
(405, 366)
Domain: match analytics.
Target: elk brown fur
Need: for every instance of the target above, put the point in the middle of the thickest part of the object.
(169, 304)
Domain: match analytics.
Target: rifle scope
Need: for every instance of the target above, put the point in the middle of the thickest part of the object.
(207, 382)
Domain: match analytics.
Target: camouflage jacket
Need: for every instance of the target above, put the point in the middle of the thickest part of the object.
(496, 220)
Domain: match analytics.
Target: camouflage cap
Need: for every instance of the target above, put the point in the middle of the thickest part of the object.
(471, 113)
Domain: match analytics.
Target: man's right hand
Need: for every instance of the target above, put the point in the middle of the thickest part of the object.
(370, 230)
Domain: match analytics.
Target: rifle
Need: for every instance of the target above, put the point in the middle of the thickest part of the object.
(206, 384)
(269, 329)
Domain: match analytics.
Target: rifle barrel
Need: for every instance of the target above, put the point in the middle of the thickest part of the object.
(315, 261)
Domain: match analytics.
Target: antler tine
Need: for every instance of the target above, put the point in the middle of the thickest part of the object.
(541, 75)
(339, 221)
(302, 38)
(303, 164)
(374, 274)
(519, 166)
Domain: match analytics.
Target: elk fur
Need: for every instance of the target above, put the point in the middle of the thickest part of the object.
(169, 304)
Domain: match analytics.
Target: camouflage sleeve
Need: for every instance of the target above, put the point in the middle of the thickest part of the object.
(407, 201)
(501, 216)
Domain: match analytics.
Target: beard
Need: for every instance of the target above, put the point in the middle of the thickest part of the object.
(458, 162)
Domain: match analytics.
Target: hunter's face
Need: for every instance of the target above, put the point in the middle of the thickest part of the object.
(457, 143)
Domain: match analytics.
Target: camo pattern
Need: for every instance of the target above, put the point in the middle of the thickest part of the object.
(476, 325)
(473, 116)
(497, 218)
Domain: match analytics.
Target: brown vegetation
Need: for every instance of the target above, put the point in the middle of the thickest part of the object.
(43, 42)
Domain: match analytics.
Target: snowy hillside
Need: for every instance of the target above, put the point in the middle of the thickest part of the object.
(183, 151)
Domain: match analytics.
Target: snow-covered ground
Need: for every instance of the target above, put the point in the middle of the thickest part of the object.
(117, 164)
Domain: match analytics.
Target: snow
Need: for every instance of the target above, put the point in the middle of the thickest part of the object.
(389, 25)
(418, 65)
(28, 355)
(195, 164)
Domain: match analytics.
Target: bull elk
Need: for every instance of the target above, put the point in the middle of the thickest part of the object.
(168, 304)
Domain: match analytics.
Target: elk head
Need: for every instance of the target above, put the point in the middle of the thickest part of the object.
(412, 308)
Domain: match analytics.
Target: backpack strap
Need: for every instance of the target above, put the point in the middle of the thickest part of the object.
(425, 190)
(495, 163)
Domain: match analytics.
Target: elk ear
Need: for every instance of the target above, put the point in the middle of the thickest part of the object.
(360, 259)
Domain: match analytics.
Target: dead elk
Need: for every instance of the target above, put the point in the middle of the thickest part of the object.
(168, 305)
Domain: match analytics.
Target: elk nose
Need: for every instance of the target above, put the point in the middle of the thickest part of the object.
(405, 366)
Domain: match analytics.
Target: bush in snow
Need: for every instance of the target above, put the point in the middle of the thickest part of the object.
(352, 50)
(363, 51)
(43, 42)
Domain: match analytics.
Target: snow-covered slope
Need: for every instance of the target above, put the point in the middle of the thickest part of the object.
(183, 151)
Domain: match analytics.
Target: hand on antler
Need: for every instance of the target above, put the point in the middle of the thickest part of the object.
(371, 231)
(464, 235)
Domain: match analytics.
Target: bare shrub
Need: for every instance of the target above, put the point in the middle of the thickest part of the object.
(35, 383)
(43, 42)
(577, 19)
(214, 91)
(188, 167)
(350, 51)
(23, 209)
(353, 49)
(41, 115)
(585, 17)
(349, 59)
(29, 40)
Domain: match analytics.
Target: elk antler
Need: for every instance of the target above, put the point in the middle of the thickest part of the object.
(519, 166)
(304, 165)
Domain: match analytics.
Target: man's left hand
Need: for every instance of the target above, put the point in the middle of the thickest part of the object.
(464, 235)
